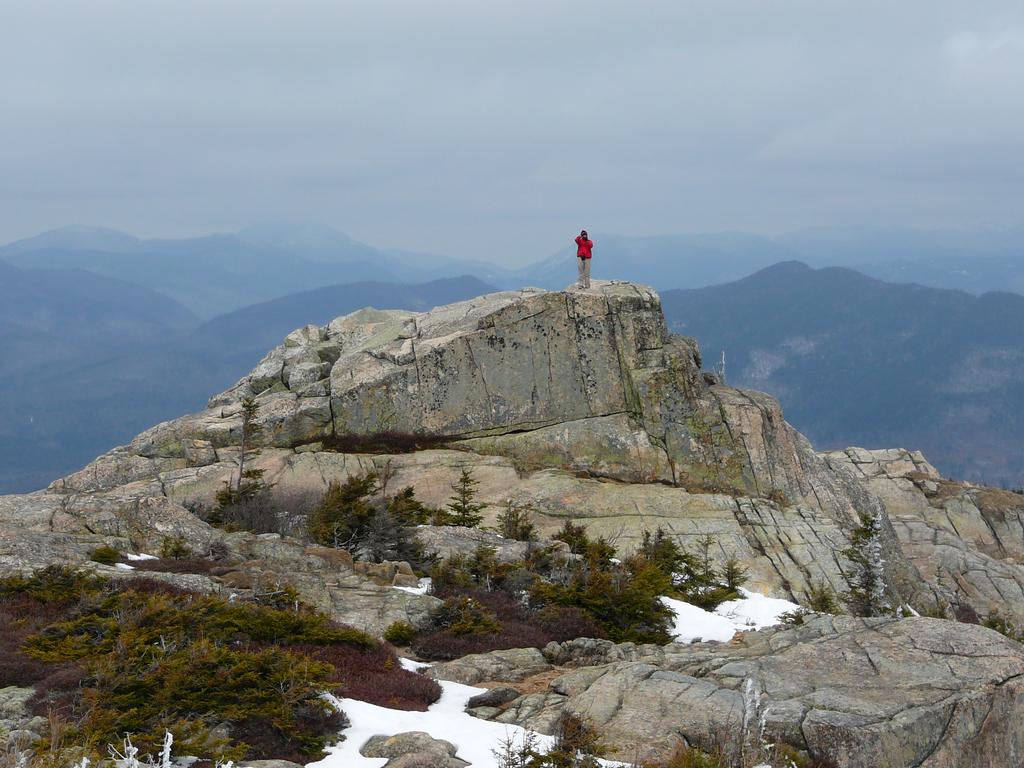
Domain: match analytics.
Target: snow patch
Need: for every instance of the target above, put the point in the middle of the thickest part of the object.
(693, 623)
(752, 611)
(446, 719)
(412, 666)
(141, 556)
(755, 611)
(420, 589)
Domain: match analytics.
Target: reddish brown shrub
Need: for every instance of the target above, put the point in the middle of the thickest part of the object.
(385, 442)
(563, 622)
(270, 741)
(22, 615)
(519, 627)
(375, 676)
(147, 586)
(59, 690)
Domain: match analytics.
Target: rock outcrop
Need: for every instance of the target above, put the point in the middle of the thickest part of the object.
(579, 403)
(856, 693)
(967, 541)
(19, 728)
(587, 381)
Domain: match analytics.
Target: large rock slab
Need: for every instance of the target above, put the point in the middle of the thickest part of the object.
(856, 693)
(511, 665)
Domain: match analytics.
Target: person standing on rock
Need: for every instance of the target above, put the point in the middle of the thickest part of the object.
(584, 250)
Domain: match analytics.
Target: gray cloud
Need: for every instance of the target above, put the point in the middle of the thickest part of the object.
(491, 129)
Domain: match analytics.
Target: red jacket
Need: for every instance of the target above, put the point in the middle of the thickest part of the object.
(584, 247)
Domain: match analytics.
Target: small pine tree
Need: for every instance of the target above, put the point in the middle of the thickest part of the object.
(734, 575)
(248, 486)
(440, 516)
(821, 598)
(514, 522)
(407, 508)
(661, 550)
(250, 428)
(517, 753)
(702, 575)
(867, 587)
(343, 518)
(577, 745)
(575, 536)
(465, 510)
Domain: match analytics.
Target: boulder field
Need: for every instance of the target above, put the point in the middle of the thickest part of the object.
(583, 406)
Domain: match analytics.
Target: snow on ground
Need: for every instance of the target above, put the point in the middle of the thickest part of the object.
(123, 567)
(412, 666)
(753, 611)
(421, 589)
(141, 556)
(445, 719)
(691, 623)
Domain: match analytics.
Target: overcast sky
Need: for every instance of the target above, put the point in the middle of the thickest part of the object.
(495, 130)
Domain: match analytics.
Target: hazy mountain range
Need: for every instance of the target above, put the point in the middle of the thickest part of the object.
(856, 361)
(219, 273)
(103, 334)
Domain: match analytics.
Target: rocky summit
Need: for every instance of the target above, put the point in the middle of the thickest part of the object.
(581, 405)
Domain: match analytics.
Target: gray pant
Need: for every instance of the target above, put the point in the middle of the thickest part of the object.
(584, 265)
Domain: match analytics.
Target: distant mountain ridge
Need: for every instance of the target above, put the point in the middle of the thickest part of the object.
(219, 273)
(856, 361)
(978, 261)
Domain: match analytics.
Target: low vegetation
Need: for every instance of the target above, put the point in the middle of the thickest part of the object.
(105, 555)
(477, 621)
(175, 548)
(821, 598)
(576, 745)
(514, 522)
(227, 679)
(694, 576)
(356, 516)
(551, 596)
